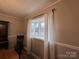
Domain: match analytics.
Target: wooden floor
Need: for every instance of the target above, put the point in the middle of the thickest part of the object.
(24, 55)
(8, 54)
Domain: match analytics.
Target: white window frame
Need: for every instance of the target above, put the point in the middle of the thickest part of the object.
(39, 20)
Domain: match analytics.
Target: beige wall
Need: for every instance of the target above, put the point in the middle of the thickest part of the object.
(67, 22)
(16, 26)
(67, 28)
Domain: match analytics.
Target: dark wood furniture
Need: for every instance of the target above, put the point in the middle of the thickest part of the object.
(4, 35)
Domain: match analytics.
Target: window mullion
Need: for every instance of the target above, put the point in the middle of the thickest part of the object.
(39, 29)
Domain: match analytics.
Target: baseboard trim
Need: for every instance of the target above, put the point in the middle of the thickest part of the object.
(25, 48)
(35, 56)
(68, 46)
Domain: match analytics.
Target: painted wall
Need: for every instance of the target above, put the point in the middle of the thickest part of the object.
(67, 28)
(67, 22)
(16, 26)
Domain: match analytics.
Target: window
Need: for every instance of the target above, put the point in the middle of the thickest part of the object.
(38, 27)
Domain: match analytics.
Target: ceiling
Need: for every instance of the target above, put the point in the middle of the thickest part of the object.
(21, 7)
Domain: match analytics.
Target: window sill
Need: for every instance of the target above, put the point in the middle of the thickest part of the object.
(37, 38)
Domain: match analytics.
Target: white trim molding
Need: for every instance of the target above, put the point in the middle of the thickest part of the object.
(68, 46)
(25, 48)
(35, 56)
(51, 4)
(43, 9)
(3, 14)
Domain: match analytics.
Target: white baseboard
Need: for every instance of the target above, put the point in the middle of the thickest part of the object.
(25, 48)
(35, 56)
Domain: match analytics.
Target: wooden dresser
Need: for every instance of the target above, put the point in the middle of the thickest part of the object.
(4, 34)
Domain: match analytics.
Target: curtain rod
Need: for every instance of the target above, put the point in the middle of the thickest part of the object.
(43, 13)
(53, 10)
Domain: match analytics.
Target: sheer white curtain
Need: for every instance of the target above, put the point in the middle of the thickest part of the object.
(29, 24)
(51, 35)
(49, 49)
(46, 37)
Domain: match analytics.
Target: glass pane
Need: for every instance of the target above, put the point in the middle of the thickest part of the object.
(37, 28)
(33, 29)
(42, 29)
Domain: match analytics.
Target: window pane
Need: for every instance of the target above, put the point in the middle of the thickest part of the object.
(42, 29)
(37, 29)
(33, 29)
